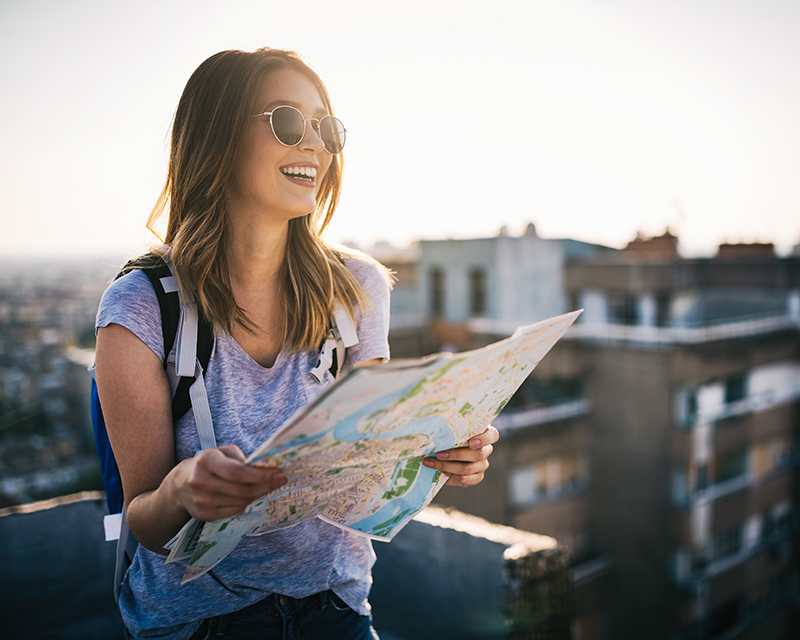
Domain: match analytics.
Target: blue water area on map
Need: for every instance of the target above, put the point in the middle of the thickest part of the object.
(411, 501)
(442, 438)
(291, 444)
(434, 425)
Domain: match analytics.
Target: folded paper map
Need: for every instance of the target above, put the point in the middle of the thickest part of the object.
(353, 456)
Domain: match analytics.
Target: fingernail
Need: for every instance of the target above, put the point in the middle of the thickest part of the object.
(427, 462)
(443, 455)
(475, 442)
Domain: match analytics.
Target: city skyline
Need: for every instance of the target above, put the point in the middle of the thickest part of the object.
(592, 120)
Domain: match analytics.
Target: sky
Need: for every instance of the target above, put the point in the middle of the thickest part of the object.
(592, 119)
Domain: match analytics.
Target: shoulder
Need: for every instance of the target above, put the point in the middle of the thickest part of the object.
(372, 321)
(131, 290)
(131, 301)
(374, 278)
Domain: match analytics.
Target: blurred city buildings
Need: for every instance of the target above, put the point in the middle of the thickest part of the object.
(47, 311)
(658, 440)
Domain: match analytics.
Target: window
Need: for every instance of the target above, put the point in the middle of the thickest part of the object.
(662, 309)
(727, 542)
(523, 485)
(623, 309)
(702, 476)
(730, 465)
(680, 487)
(436, 281)
(477, 292)
(549, 478)
(687, 407)
(735, 389)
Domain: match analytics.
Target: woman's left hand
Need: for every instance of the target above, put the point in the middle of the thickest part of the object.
(465, 465)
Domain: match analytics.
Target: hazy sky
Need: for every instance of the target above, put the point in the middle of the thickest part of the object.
(592, 119)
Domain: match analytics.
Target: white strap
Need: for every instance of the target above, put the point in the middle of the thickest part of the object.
(112, 524)
(186, 340)
(202, 412)
(347, 329)
(170, 284)
(187, 363)
(186, 343)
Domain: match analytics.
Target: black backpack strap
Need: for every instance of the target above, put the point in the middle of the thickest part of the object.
(155, 268)
(181, 401)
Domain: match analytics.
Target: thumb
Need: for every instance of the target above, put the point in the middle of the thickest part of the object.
(232, 451)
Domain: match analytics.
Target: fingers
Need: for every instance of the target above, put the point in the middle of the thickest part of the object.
(490, 436)
(227, 464)
(461, 462)
(218, 483)
(466, 465)
(464, 481)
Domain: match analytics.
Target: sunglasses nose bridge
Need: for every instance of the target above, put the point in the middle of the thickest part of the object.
(312, 125)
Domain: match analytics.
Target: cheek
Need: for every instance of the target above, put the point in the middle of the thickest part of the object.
(322, 173)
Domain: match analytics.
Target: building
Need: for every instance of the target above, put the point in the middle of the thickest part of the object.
(694, 389)
(657, 439)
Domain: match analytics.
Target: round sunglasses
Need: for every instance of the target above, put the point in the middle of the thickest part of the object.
(289, 127)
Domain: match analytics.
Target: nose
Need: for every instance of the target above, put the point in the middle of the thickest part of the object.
(311, 139)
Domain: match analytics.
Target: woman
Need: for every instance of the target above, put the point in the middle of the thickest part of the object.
(251, 185)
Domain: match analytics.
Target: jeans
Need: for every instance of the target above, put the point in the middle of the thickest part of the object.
(320, 616)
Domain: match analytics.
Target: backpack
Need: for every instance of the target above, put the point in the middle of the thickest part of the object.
(188, 343)
(161, 277)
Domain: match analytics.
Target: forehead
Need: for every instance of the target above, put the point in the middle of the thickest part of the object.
(286, 86)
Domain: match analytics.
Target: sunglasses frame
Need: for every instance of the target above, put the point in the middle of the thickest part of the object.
(305, 120)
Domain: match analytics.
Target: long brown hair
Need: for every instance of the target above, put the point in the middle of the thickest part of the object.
(206, 136)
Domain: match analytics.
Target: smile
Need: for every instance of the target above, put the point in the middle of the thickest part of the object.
(303, 173)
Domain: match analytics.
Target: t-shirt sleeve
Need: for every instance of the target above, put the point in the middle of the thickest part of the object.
(131, 301)
(372, 323)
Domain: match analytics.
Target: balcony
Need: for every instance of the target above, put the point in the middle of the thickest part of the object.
(756, 403)
(754, 532)
(686, 335)
(511, 421)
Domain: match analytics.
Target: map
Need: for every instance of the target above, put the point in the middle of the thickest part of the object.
(353, 456)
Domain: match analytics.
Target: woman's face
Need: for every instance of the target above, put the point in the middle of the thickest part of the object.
(271, 179)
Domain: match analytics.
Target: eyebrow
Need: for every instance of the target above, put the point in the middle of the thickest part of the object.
(288, 103)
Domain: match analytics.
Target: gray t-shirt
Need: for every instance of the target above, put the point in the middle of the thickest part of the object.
(248, 403)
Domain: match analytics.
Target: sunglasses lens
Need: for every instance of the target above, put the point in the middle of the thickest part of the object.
(287, 123)
(332, 132)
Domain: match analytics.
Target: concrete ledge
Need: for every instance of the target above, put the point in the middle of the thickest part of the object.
(447, 575)
(57, 571)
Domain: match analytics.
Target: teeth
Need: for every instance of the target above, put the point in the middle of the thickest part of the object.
(305, 172)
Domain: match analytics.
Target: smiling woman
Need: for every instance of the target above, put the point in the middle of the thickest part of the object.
(254, 178)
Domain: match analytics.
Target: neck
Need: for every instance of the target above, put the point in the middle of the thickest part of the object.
(255, 256)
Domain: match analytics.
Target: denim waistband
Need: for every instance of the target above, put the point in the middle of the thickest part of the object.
(275, 604)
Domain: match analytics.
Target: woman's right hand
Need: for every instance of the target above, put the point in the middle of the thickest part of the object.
(218, 483)
(161, 495)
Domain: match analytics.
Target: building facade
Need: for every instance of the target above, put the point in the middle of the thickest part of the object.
(659, 438)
